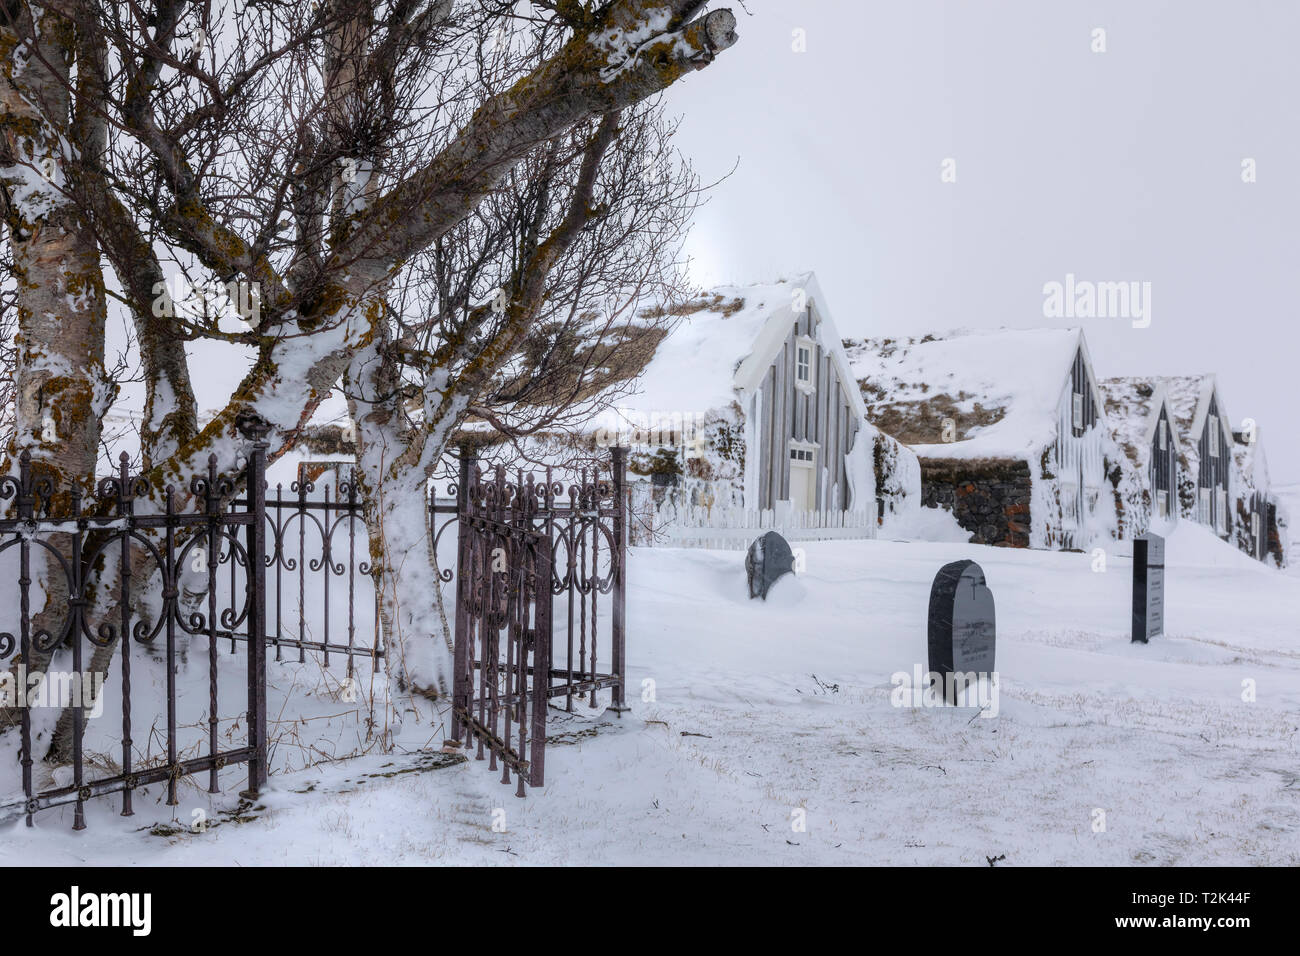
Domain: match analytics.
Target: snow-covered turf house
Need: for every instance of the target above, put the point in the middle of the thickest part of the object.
(1257, 527)
(1010, 430)
(1142, 425)
(746, 416)
(1205, 451)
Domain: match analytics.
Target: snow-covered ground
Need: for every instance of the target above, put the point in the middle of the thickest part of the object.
(762, 713)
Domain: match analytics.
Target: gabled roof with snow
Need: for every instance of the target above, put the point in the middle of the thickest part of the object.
(1250, 464)
(1133, 412)
(1001, 387)
(1189, 400)
(722, 346)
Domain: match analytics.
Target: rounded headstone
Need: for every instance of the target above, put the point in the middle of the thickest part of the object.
(962, 624)
(768, 558)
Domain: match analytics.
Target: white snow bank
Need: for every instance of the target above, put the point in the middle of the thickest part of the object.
(924, 524)
(1194, 545)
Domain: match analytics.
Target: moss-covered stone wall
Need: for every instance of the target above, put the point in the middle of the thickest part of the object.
(990, 498)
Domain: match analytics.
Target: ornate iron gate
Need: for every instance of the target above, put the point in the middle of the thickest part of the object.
(503, 621)
(522, 545)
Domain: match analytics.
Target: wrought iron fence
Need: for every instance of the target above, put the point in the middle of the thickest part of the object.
(89, 556)
(530, 552)
(205, 569)
(314, 541)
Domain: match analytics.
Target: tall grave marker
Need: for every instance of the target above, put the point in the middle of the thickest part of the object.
(1148, 587)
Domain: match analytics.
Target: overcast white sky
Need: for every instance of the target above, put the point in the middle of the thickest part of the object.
(1123, 165)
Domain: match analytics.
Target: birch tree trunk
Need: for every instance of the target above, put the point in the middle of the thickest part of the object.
(62, 389)
(393, 470)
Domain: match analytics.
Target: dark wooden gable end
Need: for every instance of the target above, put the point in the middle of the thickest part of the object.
(1257, 517)
(1164, 461)
(1215, 468)
(1080, 385)
(823, 417)
(1079, 466)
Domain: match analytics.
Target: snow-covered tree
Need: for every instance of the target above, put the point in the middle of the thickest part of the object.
(430, 204)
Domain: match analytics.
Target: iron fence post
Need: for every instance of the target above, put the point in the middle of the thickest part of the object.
(618, 462)
(541, 584)
(461, 677)
(125, 509)
(26, 515)
(256, 429)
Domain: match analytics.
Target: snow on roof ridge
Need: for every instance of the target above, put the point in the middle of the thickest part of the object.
(792, 279)
(1132, 416)
(925, 338)
(1189, 400)
(1011, 381)
(704, 364)
(1132, 379)
(1251, 461)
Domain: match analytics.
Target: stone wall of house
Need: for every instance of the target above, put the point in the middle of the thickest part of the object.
(988, 497)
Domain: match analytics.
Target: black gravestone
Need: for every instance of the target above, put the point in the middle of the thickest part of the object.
(962, 624)
(1148, 587)
(768, 558)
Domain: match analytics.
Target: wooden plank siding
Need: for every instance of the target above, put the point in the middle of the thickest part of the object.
(764, 411)
(787, 416)
(1079, 384)
(824, 418)
(1214, 469)
(1164, 464)
(1256, 504)
(1078, 462)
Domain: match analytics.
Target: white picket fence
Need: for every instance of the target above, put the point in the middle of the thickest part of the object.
(735, 528)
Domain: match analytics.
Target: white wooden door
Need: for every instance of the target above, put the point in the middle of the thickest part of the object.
(803, 488)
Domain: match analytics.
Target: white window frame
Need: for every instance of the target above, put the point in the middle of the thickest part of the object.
(1203, 506)
(1162, 503)
(1076, 410)
(1164, 436)
(1214, 436)
(1221, 516)
(805, 374)
(1254, 525)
